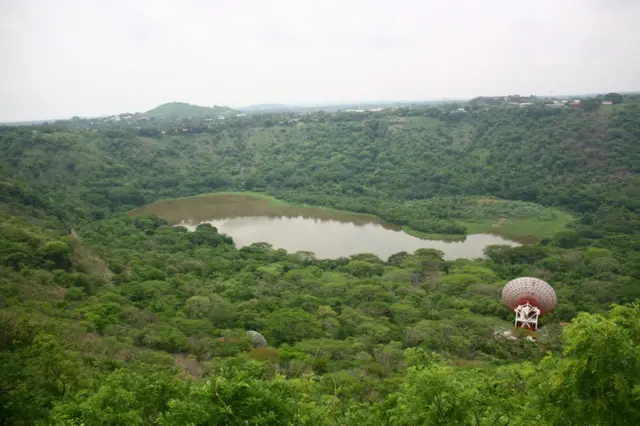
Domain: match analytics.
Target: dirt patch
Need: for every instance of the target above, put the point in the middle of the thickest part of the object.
(189, 366)
(88, 262)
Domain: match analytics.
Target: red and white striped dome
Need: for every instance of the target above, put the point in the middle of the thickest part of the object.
(529, 290)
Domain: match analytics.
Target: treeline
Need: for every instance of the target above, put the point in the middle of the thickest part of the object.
(565, 158)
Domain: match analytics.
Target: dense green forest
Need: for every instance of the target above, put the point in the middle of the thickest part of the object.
(110, 319)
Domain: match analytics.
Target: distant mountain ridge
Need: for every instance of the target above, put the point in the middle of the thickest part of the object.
(260, 108)
(333, 106)
(184, 110)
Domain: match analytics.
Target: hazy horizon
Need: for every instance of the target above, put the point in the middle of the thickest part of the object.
(312, 105)
(91, 58)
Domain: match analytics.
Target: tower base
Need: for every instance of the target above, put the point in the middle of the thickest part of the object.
(527, 316)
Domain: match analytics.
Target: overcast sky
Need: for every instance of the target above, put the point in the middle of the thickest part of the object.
(95, 57)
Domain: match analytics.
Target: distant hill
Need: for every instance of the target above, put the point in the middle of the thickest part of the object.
(31, 122)
(334, 106)
(182, 109)
(271, 109)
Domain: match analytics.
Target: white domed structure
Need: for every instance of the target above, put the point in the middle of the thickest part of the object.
(257, 339)
(530, 298)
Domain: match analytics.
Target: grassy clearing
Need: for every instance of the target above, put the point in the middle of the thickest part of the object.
(258, 195)
(273, 201)
(525, 229)
(222, 205)
(427, 236)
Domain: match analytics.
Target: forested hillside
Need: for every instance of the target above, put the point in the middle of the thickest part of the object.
(566, 158)
(112, 319)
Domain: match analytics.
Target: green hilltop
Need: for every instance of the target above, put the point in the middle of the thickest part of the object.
(185, 110)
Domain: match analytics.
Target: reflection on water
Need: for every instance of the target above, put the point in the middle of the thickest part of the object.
(331, 238)
(327, 233)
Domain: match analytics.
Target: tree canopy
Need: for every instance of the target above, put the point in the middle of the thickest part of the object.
(109, 318)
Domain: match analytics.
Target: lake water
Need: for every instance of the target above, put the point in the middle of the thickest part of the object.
(327, 233)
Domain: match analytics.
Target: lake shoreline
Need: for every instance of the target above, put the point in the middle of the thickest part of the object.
(280, 202)
(523, 231)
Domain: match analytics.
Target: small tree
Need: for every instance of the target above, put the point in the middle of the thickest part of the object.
(615, 98)
(589, 105)
(57, 255)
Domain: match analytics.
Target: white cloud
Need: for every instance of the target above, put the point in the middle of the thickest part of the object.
(91, 57)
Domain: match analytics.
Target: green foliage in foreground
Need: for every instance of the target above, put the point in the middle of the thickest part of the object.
(156, 335)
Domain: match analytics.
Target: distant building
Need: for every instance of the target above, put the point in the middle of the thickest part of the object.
(607, 103)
